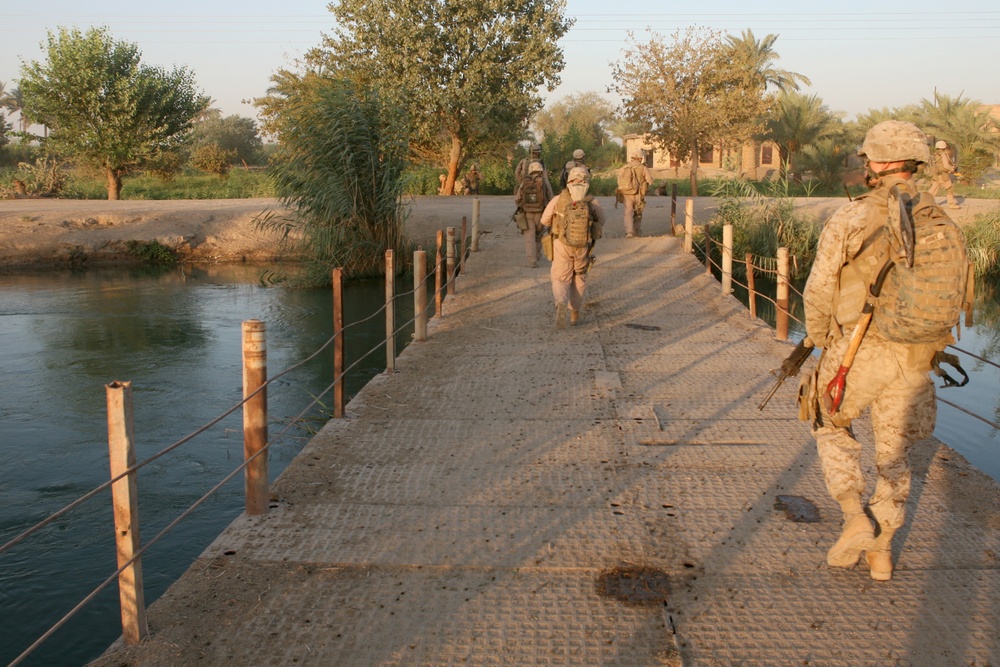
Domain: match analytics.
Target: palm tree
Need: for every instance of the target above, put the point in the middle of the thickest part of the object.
(964, 123)
(797, 121)
(14, 102)
(759, 56)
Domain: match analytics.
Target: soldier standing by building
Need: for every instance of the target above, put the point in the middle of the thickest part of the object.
(633, 181)
(532, 194)
(890, 377)
(943, 168)
(576, 221)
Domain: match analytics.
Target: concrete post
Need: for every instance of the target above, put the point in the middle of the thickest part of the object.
(390, 312)
(255, 416)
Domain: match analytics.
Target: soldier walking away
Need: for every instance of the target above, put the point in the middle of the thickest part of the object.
(576, 221)
(633, 181)
(860, 250)
(532, 195)
(534, 155)
(942, 173)
(471, 181)
(577, 161)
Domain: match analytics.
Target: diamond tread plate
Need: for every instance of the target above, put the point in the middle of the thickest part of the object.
(493, 501)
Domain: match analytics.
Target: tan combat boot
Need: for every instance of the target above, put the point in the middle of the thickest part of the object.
(879, 557)
(857, 536)
(561, 316)
(574, 317)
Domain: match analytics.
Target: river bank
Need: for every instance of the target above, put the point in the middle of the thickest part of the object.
(57, 232)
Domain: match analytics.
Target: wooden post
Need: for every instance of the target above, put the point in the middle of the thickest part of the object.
(450, 260)
(125, 498)
(727, 259)
(439, 277)
(419, 295)
(461, 249)
(708, 249)
(475, 225)
(689, 226)
(338, 343)
(673, 209)
(390, 313)
(255, 416)
(781, 319)
(752, 292)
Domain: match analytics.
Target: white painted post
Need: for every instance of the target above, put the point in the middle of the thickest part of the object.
(390, 312)
(727, 259)
(689, 226)
(419, 295)
(475, 225)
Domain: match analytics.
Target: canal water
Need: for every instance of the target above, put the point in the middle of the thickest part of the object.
(175, 333)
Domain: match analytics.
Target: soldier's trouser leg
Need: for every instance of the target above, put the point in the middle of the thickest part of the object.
(950, 194)
(568, 278)
(629, 203)
(531, 244)
(935, 186)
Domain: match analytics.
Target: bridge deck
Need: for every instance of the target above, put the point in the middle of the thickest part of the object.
(599, 495)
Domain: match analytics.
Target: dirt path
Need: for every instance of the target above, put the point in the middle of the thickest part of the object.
(47, 232)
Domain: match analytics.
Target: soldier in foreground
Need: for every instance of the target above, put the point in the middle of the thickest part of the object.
(860, 253)
(576, 221)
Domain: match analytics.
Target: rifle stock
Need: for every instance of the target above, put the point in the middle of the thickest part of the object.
(790, 367)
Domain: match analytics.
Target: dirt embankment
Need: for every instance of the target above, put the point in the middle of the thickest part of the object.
(49, 232)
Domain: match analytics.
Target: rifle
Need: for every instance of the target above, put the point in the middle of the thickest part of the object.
(790, 367)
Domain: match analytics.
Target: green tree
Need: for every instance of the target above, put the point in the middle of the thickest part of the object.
(236, 134)
(693, 92)
(103, 107)
(339, 166)
(588, 111)
(797, 121)
(213, 158)
(467, 72)
(964, 123)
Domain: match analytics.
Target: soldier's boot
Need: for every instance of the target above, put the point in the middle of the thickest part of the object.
(574, 317)
(879, 557)
(561, 316)
(857, 536)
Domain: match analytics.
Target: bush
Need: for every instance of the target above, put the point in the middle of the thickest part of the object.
(212, 158)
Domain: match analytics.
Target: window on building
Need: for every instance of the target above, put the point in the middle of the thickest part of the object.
(706, 155)
(766, 155)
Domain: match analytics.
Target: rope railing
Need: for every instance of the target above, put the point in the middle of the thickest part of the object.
(751, 266)
(445, 272)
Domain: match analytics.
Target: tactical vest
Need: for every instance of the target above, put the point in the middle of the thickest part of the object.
(573, 221)
(918, 304)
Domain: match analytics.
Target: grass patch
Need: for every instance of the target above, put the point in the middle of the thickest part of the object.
(152, 252)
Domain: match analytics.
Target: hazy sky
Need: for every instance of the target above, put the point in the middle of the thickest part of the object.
(859, 55)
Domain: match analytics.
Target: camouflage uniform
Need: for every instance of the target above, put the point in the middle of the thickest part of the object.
(892, 378)
(569, 264)
(635, 203)
(533, 234)
(943, 169)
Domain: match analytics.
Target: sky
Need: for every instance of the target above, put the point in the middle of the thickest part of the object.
(858, 55)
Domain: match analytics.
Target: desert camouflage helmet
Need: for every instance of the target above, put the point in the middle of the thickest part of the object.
(895, 141)
(578, 154)
(535, 148)
(577, 175)
(941, 144)
(535, 168)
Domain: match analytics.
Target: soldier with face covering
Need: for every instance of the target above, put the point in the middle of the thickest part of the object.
(576, 221)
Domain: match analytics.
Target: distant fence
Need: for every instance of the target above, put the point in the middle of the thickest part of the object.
(452, 246)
